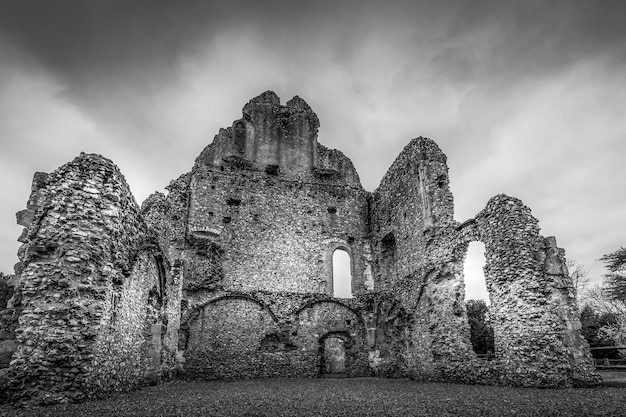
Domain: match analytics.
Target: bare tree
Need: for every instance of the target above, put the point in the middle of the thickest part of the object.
(600, 298)
(580, 278)
(610, 297)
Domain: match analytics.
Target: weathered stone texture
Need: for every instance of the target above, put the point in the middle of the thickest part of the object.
(229, 275)
(8, 324)
(83, 285)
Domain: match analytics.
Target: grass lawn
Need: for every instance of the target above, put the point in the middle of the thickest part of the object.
(342, 397)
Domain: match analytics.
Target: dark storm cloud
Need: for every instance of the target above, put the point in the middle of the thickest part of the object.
(86, 37)
(133, 48)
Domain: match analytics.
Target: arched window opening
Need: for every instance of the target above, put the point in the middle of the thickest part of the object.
(342, 274)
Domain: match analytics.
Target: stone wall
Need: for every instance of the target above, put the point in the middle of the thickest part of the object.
(8, 324)
(411, 208)
(419, 252)
(83, 284)
(248, 220)
(230, 275)
(533, 309)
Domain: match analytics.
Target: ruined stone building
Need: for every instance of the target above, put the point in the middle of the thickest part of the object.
(230, 275)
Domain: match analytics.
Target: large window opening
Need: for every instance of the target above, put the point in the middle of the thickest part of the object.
(477, 301)
(474, 274)
(342, 274)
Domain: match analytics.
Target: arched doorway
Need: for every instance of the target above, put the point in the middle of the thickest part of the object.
(333, 356)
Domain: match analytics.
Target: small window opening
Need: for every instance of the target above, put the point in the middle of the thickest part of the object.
(161, 276)
(115, 301)
(232, 201)
(342, 274)
(388, 257)
(442, 181)
(272, 170)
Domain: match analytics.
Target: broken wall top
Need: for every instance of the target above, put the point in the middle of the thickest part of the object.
(280, 140)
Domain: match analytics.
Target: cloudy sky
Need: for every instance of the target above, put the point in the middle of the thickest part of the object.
(526, 98)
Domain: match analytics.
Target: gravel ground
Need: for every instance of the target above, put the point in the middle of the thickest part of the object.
(342, 397)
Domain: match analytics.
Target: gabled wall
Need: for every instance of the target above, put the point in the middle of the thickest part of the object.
(229, 275)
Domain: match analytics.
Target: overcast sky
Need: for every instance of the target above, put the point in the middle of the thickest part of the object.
(526, 98)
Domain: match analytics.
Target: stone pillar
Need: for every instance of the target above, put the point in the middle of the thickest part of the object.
(529, 330)
(153, 373)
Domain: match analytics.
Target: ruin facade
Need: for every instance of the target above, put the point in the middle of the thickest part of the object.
(230, 275)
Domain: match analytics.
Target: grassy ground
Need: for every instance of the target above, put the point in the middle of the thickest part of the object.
(342, 397)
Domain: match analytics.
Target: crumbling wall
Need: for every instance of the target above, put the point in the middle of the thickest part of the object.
(412, 201)
(411, 212)
(230, 275)
(269, 136)
(274, 233)
(166, 218)
(262, 334)
(8, 325)
(386, 322)
(533, 310)
(226, 336)
(121, 347)
(79, 284)
(261, 212)
(253, 214)
(419, 252)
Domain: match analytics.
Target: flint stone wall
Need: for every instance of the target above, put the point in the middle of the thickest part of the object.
(229, 274)
(86, 286)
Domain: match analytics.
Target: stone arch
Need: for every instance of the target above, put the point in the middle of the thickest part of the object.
(193, 313)
(330, 301)
(224, 335)
(319, 318)
(345, 336)
(328, 265)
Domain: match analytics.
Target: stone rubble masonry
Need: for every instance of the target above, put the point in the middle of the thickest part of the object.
(86, 286)
(229, 274)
